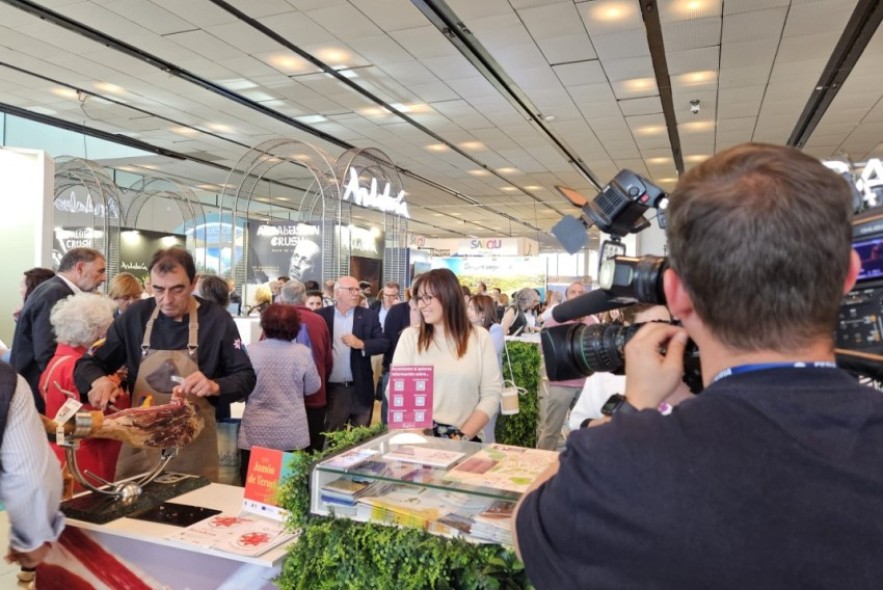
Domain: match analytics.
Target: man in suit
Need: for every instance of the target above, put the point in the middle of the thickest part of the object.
(356, 335)
(80, 269)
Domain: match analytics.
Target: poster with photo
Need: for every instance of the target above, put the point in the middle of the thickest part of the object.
(284, 248)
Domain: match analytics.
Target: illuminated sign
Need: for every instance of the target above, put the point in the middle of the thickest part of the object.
(371, 198)
(73, 205)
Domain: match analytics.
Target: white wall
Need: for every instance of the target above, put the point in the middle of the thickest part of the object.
(26, 206)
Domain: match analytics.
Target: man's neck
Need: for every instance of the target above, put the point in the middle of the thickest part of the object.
(715, 357)
(342, 310)
(69, 279)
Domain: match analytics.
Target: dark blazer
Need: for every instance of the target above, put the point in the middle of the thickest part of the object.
(366, 327)
(34, 342)
(397, 319)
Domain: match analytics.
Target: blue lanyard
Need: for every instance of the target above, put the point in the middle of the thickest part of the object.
(766, 366)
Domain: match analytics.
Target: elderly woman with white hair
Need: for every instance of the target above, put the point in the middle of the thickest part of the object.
(520, 316)
(79, 322)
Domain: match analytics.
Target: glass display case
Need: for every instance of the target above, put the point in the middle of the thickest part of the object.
(448, 487)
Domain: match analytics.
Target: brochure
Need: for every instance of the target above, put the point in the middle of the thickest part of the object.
(410, 397)
(503, 467)
(424, 456)
(240, 534)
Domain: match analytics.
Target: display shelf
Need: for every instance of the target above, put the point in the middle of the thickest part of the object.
(370, 483)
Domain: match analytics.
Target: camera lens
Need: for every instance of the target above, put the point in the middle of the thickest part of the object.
(636, 278)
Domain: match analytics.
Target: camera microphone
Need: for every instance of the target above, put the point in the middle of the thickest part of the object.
(591, 303)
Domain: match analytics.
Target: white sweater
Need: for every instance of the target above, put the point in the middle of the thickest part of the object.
(459, 386)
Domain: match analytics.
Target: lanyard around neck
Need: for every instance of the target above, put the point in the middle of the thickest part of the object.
(751, 368)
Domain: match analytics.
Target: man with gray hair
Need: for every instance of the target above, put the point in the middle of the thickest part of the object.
(294, 293)
(80, 270)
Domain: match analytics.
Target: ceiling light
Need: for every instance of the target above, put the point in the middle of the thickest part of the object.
(696, 159)
(650, 130)
(696, 78)
(610, 11)
(690, 7)
(437, 214)
(457, 214)
(334, 56)
(697, 126)
(667, 180)
(659, 160)
(288, 63)
(508, 189)
(187, 131)
(640, 84)
(220, 127)
(437, 147)
(472, 145)
(548, 118)
(534, 187)
(507, 170)
(110, 88)
(311, 119)
(237, 84)
(373, 112)
(479, 172)
(65, 92)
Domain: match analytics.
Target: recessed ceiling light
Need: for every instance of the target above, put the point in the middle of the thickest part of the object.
(188, 131)
(479, 172)
(611, 11)
(696, 78)
(472, 145)
(288, 63)
(697, 126)
(457, 214)
(311, 119)
(373, 112)
(334, 56)
(534, 187)
(508, 170)
(110, 88)
(508, 189)
(659, 160)
(220, 127)
(650, 130)
(437, 147)
(237, 84)
(437, 214)
(65, 92)
(640, 85)
(697, 159)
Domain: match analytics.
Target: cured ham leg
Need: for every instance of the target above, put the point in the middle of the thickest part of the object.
(160, 427)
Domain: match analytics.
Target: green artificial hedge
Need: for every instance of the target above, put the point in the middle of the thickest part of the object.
(521, 429)
(336, 553)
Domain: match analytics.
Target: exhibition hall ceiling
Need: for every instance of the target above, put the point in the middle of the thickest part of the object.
(485, 105)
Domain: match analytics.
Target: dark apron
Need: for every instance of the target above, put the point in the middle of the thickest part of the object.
(155, 374)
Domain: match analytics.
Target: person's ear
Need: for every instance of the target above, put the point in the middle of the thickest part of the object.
(679, 302)
(855, 266)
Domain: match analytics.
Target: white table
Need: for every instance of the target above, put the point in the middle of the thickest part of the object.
(176, 565)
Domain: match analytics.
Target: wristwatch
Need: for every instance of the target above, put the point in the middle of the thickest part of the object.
(617, 403)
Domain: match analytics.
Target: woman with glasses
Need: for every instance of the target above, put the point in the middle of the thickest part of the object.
(466, 374)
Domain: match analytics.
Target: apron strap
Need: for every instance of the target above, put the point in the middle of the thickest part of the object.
(192, 333)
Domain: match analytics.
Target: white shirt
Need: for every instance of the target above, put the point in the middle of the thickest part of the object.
(30, 480)
(597, 390)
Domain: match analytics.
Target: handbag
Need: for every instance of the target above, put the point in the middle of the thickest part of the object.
(511, 391)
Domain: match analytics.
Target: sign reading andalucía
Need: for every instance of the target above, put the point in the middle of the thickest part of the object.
(370, 197)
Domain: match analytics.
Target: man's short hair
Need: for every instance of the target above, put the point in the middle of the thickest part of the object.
(761, 237)
(75, 255)
(293, 292)
(215, 289)
(166, 260)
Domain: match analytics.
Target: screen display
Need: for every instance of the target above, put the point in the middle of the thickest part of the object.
(871, 253)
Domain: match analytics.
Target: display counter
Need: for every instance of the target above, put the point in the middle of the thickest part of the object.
(448, 487)
(130, 553)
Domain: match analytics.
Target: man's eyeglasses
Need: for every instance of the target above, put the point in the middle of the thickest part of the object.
(425, 299)
(352, 290)
(391, 295)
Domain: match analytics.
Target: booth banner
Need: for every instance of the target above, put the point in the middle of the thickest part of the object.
(67, 237)
(283, 248)
(361, 242)
(479, 247)
(508, 273)
(137, 247)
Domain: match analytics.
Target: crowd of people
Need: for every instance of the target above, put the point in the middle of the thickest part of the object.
(778, 452)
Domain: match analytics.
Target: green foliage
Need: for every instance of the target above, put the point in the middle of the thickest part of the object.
(336, 553)
(521, 429)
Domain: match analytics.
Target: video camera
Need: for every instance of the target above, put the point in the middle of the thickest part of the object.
(576, 350)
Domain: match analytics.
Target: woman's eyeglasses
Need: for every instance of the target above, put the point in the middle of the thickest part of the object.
(425, 299)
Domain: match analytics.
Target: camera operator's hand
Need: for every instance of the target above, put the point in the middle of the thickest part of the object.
(653, 377)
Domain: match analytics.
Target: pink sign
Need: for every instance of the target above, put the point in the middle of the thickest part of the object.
(410, 397)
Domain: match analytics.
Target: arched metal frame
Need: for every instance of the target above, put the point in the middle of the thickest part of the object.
(321, 203)
(160, 187)
(73, 172)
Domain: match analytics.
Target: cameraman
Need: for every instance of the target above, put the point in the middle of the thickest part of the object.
(772, 477)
